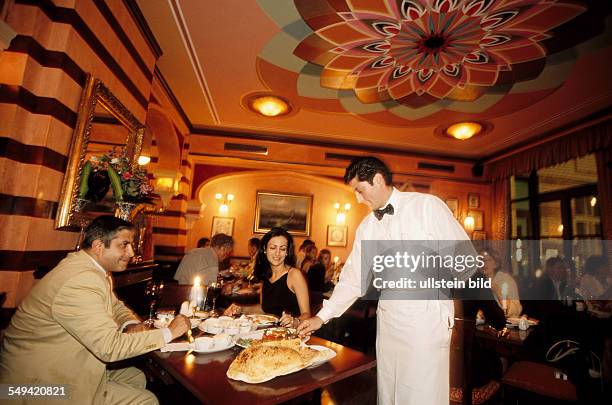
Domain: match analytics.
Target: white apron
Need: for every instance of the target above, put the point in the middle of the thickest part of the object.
(412, 351)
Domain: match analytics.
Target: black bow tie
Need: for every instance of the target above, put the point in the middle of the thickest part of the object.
(379, 214)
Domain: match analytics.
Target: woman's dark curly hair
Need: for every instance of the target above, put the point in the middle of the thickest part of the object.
(262, 265)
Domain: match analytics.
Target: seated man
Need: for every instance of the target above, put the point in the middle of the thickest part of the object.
(70, 325)
(204, 262)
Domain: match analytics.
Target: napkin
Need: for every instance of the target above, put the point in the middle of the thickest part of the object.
(186, 309)
(177, 347)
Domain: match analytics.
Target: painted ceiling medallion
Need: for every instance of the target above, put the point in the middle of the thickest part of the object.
(401, 49)
(406, 61)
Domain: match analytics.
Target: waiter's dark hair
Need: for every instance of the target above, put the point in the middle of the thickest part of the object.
(365, 168)
(105, 228)
(262, 265)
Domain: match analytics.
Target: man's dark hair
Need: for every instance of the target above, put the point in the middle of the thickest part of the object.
(263, 270)
(203, 242)
(221, 239)
(254, 242)
(593, 263)
(365, 168)
(306, 243)
(105, 228)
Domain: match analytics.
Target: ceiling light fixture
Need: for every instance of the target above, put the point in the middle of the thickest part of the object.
(267, 105)
(464, 130)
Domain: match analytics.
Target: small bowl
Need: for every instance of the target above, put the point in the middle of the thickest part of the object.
(214, 329)
(232, 330)
(195, 322)
(204, 343)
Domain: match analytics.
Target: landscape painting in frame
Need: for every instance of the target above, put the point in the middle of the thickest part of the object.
(289, 211)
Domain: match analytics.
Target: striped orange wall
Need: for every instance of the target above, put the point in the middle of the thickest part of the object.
(41, 76)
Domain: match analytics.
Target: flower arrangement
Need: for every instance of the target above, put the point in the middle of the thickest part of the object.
(129, 183)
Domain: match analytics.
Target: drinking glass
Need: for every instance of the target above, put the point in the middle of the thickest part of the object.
(153, 291)
(215, 291)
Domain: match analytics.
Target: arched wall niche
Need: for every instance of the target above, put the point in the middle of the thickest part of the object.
(244, 185)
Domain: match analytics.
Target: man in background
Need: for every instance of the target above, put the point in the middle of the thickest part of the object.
(203, 242)
(71, 325)
(204, 262)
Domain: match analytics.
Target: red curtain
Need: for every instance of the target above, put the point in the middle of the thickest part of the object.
(597, 137)
(501, 209)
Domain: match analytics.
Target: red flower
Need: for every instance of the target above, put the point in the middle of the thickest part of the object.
(126, 175)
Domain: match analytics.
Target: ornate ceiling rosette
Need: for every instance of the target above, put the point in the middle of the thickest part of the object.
(399, 62)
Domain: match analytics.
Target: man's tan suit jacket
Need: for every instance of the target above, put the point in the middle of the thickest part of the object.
(67, 329)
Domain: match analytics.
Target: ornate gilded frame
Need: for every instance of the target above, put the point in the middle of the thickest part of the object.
(94, 93)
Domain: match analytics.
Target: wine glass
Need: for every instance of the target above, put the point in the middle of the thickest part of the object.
(215, 290)
(153, 291)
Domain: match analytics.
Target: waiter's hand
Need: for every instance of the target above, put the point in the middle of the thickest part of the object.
(179, 326)
(308, 326)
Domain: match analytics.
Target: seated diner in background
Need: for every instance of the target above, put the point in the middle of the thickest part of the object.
(310, 257)
(204, 262)
(71, 325)
(285, 291)
(505, 290)
(317, 272)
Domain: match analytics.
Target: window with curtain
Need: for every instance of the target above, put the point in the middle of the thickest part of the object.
(557, 206)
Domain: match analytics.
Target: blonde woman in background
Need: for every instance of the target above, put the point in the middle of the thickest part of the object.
(503, 285)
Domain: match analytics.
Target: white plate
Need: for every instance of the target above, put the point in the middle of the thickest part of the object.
(263, 320)
(330, 354)
(215, 349)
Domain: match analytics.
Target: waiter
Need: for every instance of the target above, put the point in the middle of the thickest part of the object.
(413, 336)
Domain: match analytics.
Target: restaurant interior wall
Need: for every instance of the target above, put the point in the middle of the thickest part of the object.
(42, 73)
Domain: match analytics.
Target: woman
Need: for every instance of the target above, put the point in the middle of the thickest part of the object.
(503, 285)
(317, 273)
(310, 254)
(284, 292)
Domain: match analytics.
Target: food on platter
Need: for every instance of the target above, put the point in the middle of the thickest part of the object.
(265, 361)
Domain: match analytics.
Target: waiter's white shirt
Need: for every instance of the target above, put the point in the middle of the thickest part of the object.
(417, 216)
(413, 336)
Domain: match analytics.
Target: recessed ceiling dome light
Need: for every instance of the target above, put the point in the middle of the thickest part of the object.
(464, 130)
(270, 106)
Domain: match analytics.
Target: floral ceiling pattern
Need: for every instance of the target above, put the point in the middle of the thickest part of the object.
(400, 62)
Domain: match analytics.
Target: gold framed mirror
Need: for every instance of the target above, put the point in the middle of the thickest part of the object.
(103, 123)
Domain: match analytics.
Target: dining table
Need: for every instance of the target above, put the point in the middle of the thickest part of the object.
(509, 343)
(204, 375)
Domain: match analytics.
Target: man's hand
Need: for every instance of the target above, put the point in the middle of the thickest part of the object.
(135, 328)
(308, 326)
(179, 326)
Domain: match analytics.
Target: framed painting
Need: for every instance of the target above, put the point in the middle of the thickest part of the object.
(479, 235)
(222, 225)
(290, 211)
(453, 205)
(478, 219)
(473, 200)
(337, 235)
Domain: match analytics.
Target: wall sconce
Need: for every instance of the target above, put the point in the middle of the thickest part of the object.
(468, 224)
(144, 160)
(166, 188)
(224, 200)
(341, 211)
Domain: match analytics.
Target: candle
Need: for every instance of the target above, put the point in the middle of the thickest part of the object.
(504, 293)
(196, 293)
